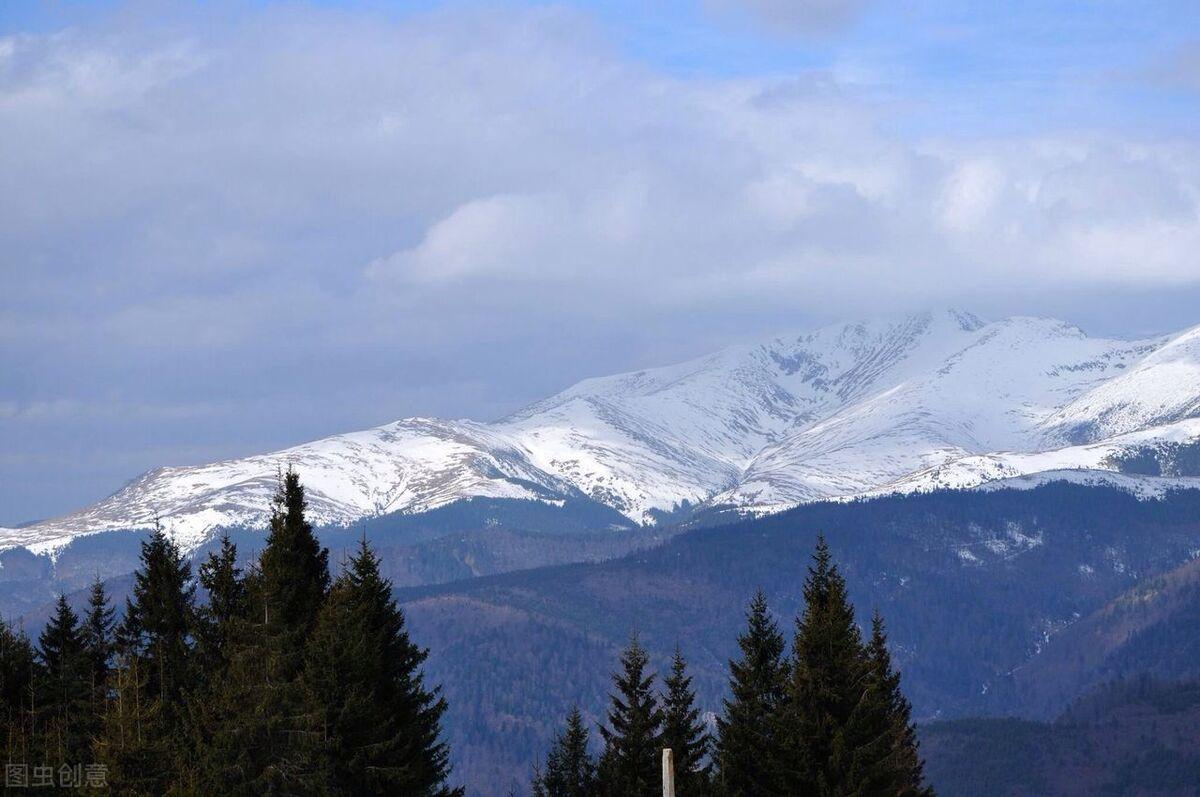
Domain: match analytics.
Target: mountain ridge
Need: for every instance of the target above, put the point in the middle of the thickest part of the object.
(926, 401)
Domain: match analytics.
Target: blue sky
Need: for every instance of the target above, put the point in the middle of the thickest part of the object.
(232, 227)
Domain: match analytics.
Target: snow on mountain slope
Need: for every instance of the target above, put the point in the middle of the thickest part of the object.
(935, 399)
(1093, 463)
(1162, 388)
(992, 393)
(413, 465)
(701, 424)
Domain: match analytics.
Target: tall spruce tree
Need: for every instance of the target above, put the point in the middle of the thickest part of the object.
(292, 580)
(749, 753)
(630, 766)
(828, 675)
(898, 769)
(63, 707)
(683, 730)
(254, 732)
(376, 725)
(213, 710)
(570, 769)
(860, 750)
(225, 610)
(98, 628)
(145, 721)
(160, 619)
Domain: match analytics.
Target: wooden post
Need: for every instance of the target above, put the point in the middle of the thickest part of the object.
(668, 773)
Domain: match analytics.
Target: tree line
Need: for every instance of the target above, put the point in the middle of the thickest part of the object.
(828, 719)
(281, 681)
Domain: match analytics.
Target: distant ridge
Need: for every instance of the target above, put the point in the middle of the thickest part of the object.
(927, 401)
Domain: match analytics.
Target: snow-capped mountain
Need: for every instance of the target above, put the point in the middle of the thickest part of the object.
(932, 400)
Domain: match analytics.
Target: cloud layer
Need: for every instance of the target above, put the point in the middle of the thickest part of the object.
(796, 16)
(286, 224)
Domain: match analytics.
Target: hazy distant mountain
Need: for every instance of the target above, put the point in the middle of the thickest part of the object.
(929, 401)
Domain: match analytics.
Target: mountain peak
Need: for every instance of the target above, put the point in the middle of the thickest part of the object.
(926, 400)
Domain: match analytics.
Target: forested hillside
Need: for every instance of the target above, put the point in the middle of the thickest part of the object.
(973, 585)
(1138, 738)
(1153, 629)
(471, 538)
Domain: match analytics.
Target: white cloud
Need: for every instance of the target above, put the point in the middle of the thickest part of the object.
(515, 234)
(319, 153)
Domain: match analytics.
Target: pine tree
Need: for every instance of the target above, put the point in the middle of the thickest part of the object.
(64, 697)
(240, 725)
(537, 782)
(828, 674)
(570, 770)
(630, 765)
(253, 731)
(376, 724)
(98, 626)
(17, 663)
(292, 578)
(213, 707)
(160, 619)
(144, 725)
(860, 748)
(60, 648)
(749, 749)
(899, 770)
(220, 617)
(683, 731)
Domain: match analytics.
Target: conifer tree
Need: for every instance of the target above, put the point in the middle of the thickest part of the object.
(214, 711)
(98, 626)
(220, 617)
(63, 707)
(375, 724)
(828, 674)
(17, 666)
(292, 579)
(144, 724)
(537, 783)
(683, 731)
(570, 770)
(17, 662)
(60, 648)
(160, 619)
(241, 722)
(749, 753)
(630, 765)
(900, 770)
(860, 748)
(253, 731)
